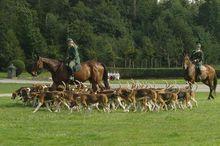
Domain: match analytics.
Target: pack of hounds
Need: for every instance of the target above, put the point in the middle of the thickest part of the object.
(135, 97)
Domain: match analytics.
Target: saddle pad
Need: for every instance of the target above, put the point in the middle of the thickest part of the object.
(203, 68)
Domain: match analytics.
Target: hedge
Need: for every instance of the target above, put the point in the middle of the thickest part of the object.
(145, 73)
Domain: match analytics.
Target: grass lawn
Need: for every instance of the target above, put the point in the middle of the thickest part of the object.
(26, 75)
(10, 87)
(199, 126)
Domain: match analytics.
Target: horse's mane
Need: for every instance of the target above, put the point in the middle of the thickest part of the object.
(52, 60)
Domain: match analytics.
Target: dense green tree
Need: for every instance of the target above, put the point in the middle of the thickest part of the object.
(122, 33)
(209, 17)
(10, 48)
(29, 34)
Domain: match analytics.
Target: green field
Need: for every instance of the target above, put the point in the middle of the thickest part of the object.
(26, 75)
(10, 87)
(199, 126)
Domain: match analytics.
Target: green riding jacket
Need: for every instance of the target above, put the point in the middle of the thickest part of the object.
(72, 59)
(198, 56)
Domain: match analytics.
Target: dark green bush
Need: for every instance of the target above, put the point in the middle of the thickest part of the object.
(28, 65)
(145, 73)
(19, 64)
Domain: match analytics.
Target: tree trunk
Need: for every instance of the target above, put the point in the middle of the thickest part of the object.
(176, 63)
(125, 65)
(168, 60)
(134, 9)
(146, 63)
(160, 63)
(129, 63)
(152, 62)
(155, 63)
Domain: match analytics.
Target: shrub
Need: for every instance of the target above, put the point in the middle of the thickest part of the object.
(145, 73)
(19, 64)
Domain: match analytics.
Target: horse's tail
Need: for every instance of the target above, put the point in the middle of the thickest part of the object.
(105, 77)
(215, 83)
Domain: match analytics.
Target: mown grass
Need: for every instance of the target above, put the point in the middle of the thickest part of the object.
(10, 87)
(199, 126)
(27, 76)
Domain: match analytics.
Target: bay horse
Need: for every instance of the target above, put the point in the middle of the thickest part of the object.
(208, 75)
(92, 71)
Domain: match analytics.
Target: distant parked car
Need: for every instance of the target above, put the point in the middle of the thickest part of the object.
(114, 76)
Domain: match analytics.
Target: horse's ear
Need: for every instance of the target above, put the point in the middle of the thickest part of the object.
(35, 56)
(185, 52)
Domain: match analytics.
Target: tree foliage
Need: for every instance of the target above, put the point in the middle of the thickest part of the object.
(123, 33)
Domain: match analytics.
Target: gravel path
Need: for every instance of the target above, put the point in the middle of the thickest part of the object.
(5, 95)
(24, 81)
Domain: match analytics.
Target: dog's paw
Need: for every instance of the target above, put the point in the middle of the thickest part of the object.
(126, 110)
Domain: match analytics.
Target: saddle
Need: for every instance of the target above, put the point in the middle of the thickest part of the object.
(200, 72)
(203, 68)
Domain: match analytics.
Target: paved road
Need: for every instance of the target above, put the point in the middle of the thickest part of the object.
(24, 81)
(201, 87)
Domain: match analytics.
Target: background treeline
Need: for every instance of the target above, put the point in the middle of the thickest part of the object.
(121, 33)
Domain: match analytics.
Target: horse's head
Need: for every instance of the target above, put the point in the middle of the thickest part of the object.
(38, 65)
(186, 61)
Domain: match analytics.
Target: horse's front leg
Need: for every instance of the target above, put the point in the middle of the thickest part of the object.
(210, 93)
(210, 85)
(190, 85)
(94, 86)
(101, 86)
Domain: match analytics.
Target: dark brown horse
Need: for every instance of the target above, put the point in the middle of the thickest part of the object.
(92, 70)
(208, 75)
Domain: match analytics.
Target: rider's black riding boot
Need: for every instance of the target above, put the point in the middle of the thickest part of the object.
(71, 77)
(198, 75)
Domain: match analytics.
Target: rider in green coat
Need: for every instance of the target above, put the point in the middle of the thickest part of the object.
(72, 59)
(198, 57)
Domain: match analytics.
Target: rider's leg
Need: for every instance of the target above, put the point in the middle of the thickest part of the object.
(71, 66)
(199, 71)
(71, 77)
